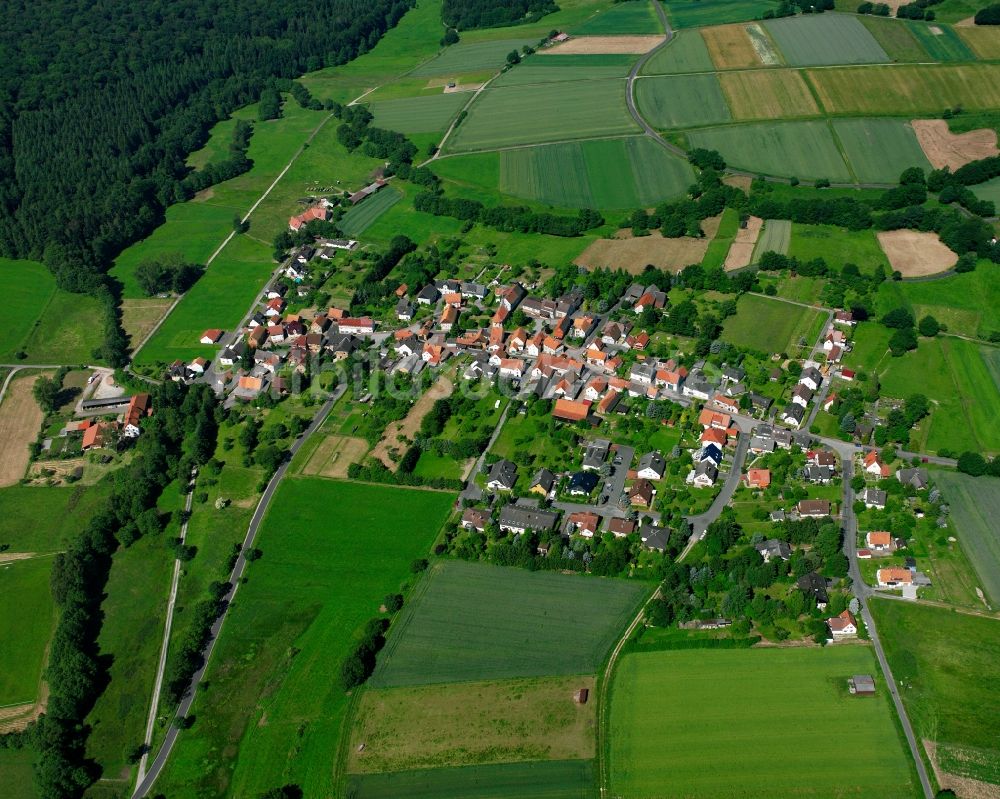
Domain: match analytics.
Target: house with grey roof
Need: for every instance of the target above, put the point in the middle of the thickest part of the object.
(917, 478)
(502, 477)
(652, 465)
(596, 453)
(521, 518)
(773, 549)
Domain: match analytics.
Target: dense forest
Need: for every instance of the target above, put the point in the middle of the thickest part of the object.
(464, 14)
(102, 100)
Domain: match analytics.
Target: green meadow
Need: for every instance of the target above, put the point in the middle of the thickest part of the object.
(975, 507)
(620, 19)
(363, 216)
(696, 13)
(770, 325)
(559, 68)
(682, 101)
(837, 246)
(419, 114)
(24, 594)
(878, 150)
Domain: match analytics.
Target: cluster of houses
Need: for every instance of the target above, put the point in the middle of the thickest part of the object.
(101, 433)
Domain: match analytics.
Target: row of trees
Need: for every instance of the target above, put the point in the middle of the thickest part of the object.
(508, 218)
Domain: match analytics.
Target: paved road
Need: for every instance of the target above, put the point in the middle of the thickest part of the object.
(700, 522)
(146, 784)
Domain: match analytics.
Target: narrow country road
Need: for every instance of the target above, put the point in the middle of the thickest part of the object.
(146, 783)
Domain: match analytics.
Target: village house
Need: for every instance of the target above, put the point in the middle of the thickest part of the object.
(880, 541)
(773, 549)
(873, 498)
(502, 476)
(316, 212)
(582, 484)
(654, 538)
(621, 528)
(475, 519)
(709, 418)
(428, 295)
(571, 410)
(811, 377)
(652, 466)
(362, 326)
(726, 403)
(519, 519)
(815, 586)
(99, 435)
(211, 336)
(894, 577)
(813, 508)
(843, 626)
(916, 478)
(542, 483)
(641, 493)
(704, 475)
(584, 523)
(758, 478)
(874, 466)
(139, 407)
(793, 415)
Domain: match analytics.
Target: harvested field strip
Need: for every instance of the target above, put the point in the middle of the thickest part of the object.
(984, 40)
(768, 94)
(762, 44)
(975, 507)
(603, 45)
(879, 150)
(366, 213)
(463, 724)
(686, 52)
(821, 39)
(565, 779)
(634, 254)
(741, 250)
(895, 37)
(941, 41)
(418, 114)
(907, 89)
(775, 238)
(946, 149)
(730, 47)
(141, 316)
(682, 101)
(566, 68)
(916, 254)
(20, 420)
(332, 457)
(459, 626)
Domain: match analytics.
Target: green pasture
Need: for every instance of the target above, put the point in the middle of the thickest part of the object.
(544, 112)
(460, 626)
(275, 710)
(775, 237)
(870, 347)
(554, 779)
(968, 303)
(731, 723)
(975, 507)
(558, 68)
(718, 248)
(896, 37)
(464, 57)
(363, 216)
(838, 246)
(768, 325)
(878, 150)
(419, 114)
(619, 19)
(957, 10)
(790, 149)
(27, 618)
(823, 39)
(695, 13)
(45, 518)
(686, 52)
(941, 41)
(682, 101)
(947, 665)
(17, 774)
(30, 287)
(990, 190)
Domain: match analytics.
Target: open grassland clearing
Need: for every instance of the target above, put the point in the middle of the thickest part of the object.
(669, 708)
(878, 150)
(696, 13)
(730, 47)
(471, 57)
(837, 246)
(140, 316)
(603, 45)
(725, 234)
(686, 52)
(43, 518)
(975, 507)
(988, 191)
(331, 551)
(895, 37)
(363, 216)
(822, 39)
(907, 89)
(633, 254)
(768, 94)
(788, 149)
(546, 112)
(768, 325)
(419, 114)
(776, 237)
(29, 287)
(953, 150)
(940, 41)
(20, 421)
(916, 254)
(27, 618)
(959, 11)
(968, 303)
(556, 779)
(567, 68)
(983, 39)
(459, 625)
(682, 101)
(947, 665)
(461, 724)
(618, 19)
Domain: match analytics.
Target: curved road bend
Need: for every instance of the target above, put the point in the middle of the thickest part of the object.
(146, 783)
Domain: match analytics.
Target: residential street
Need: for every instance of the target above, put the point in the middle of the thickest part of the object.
(700, 522)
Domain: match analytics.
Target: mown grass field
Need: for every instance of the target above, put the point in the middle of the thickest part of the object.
(908, 89)
(363, 216)
(775, 237)
(686, 52)
(30, 286)
(27, 618)
(984, 40)
(331, 551)
(878, 150)
(419, 114)
(789, 149)
(822, 39)
(895, 37)
(506, 721)
(682, 101)
(837, 246)
(768, 325)
(947, 665)
(975, 507)
(618, 19)
(44, 518)
(470, 57)
(17, 773)
(767, 94)
(462, 626)
(559, 68)
(546, 112)
(567, 779)
(941, 41)
(682, 725)
(695, 13)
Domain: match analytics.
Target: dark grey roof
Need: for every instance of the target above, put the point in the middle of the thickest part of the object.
(915, 477)
(543, 478)
(596, 453)
(504, 473)
(813, 584)
(526, 518)
(428, 292)
(654, 537)
(583, 481)
(708, 469)
(774, 548)
(653, 460)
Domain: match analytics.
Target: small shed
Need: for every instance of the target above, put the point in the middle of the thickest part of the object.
(581, 696)
(862, 685)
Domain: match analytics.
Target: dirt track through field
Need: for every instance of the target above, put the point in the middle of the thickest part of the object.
(409, 426)
(946, 149)
(741, 250)
(20, 420)
(916, 254)
(604, 45)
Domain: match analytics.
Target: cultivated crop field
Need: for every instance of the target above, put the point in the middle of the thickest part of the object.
(686, 52)
(942, 42)
(821, 39)
(419, 114)
(880, 149)
(775, 237)
(791, 149)
(461, 626)
(622, 18)
(546, 112)
(948, 665)
(984, 40)
(556, 69)
(894, 36)
(769, 325)
(682, 101)
(975, 507)
(768, 94)
(362, 216)
(471, 57)
(669, 710)
(555, 779)
(731, 47)
(331, 551)
(695, 13)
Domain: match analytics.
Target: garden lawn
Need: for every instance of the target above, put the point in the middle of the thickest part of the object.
(471, 57)
(825, 39)
(747, 707)
(419, 114)
(682, 101)
(460, 626)
(695, 13)
(686, 52)
(941, 41)
(948, 665)
(546, 112)
(363, 215)
(895, 37)
(838, 246)
(554, 779)
(561, 68)
(27, 618)
(789, 149)
(274, 710)
(975, 507)
(878, 150)
(768, 325)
